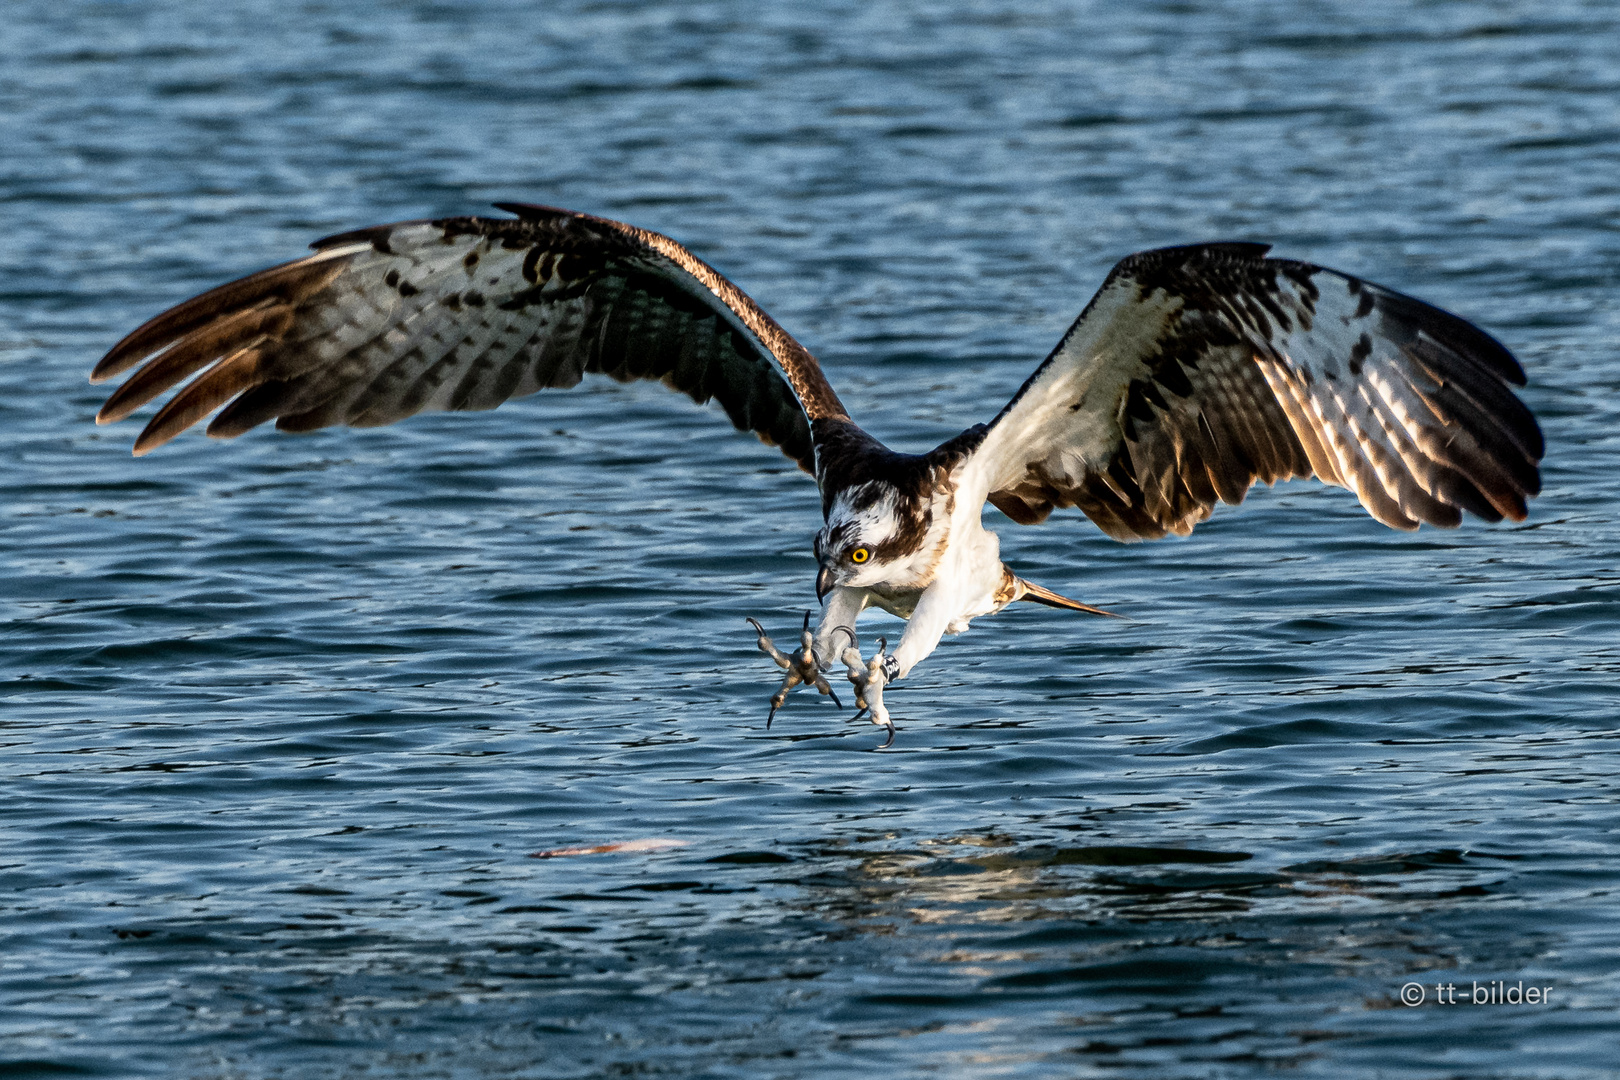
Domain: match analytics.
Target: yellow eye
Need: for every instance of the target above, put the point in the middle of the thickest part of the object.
(859, 555)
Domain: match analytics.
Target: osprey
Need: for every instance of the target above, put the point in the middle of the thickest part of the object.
(1194, 372)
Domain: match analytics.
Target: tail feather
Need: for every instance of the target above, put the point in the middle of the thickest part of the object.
(1028, 590)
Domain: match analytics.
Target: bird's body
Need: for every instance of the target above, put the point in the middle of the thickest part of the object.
(1193, 373)
(932, 562)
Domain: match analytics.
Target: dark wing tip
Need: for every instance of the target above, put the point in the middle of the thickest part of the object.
(142, 342)
(1476, 371)
(292, 280)
(116, 360)
(1454, 331)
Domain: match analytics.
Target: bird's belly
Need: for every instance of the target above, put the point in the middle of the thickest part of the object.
(901, 602)
(983, 605)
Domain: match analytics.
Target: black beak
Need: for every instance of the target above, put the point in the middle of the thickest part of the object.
(824, 583)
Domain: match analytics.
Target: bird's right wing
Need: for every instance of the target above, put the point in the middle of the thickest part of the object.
(1197, 371)
(461, 314)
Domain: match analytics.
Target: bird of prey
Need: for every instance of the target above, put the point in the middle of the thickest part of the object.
(1192, 373)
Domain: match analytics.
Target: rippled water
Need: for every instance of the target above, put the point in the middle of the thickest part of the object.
(284, 718)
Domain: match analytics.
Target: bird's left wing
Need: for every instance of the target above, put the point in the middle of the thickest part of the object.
(1196, 371)
(465, 313)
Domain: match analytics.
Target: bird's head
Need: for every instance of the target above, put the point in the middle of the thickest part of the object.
(875, 535)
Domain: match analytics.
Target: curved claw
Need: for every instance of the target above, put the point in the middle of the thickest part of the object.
(768, 647)
(886, 743)
(800, 667)
(869, 677)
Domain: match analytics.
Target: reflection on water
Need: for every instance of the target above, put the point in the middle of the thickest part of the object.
(1153, 956)
(283, 720)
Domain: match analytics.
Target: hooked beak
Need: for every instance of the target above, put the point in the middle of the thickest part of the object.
(824, 583)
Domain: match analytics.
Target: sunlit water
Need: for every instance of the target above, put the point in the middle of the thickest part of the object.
(284, 718)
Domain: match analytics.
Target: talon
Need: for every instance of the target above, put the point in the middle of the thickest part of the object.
(869, 677)
(800, 667)
(768, 647)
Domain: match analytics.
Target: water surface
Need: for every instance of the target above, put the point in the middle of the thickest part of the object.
(284, 718)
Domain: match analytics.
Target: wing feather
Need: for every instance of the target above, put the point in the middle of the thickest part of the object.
(1198, 371)
(464, 314)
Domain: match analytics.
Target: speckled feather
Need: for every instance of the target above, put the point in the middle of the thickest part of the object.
(1197, 371)
(463, 314)
(1192, 374)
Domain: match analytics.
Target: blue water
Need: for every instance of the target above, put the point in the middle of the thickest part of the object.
(284, 718)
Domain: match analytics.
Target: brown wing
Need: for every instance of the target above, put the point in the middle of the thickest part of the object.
(465, 313)
(1197, 371)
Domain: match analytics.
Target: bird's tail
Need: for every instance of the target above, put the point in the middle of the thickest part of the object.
(1028, 590)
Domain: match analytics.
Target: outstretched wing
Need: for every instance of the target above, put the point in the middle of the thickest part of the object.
(464, 313)
(1196, 371)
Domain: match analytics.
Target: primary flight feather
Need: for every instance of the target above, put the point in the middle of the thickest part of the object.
(1194, 372)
